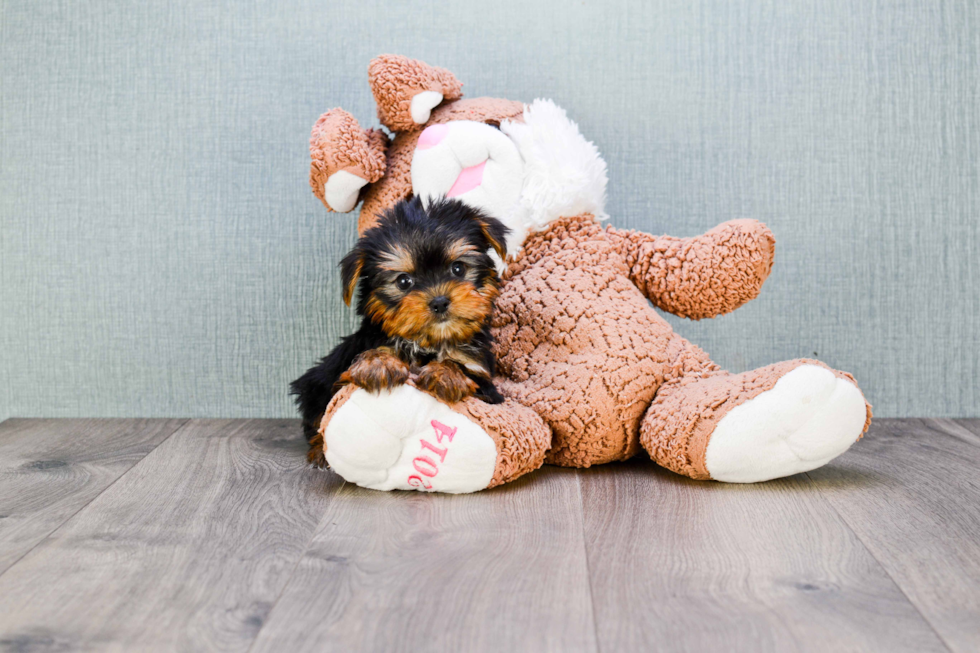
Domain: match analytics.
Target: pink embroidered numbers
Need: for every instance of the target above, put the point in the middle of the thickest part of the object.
(426, 465)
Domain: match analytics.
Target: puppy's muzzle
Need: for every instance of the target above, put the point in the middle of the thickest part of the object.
(439, 305)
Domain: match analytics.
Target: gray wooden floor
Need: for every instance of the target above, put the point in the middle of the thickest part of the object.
(214, 535)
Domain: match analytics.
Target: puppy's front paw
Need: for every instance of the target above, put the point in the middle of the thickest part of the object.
(445, 381)
(376, 370)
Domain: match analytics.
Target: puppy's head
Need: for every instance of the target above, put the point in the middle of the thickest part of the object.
(425, 273)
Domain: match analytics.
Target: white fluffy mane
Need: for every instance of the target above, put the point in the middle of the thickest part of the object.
(564, 175)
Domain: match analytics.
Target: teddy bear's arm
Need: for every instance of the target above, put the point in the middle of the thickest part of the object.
(703, 276)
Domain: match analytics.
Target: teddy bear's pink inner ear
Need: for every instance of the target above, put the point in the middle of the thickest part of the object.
(406, 90)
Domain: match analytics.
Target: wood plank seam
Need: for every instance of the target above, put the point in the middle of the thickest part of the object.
(585, 554)
(882, 565)
(48, 535)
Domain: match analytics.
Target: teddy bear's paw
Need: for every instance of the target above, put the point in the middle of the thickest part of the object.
(422, 105)
(342, 190)
(809, 417)
(344, 159)
(404, 439)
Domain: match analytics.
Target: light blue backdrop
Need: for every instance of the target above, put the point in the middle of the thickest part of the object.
(161, 253)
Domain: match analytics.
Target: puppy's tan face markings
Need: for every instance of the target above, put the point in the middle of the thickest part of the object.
(435, 285)
(413, 319)
(469, 256)
(407, 313)
(459, 249)
(397, 260)
(392, 264)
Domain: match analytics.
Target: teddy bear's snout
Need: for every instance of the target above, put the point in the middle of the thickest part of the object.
(469, 160)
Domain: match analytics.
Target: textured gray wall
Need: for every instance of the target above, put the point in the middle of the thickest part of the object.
(161, 254)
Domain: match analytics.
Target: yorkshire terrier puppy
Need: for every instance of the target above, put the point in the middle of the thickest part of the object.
(427, 286)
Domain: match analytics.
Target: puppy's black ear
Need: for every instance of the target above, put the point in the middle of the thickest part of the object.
(350, 271)
(496, 234)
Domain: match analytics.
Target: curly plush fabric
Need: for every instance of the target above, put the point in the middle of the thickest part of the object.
(519, 434)
(703, 276)
(579, 344)
(395, 80)
(337, 143)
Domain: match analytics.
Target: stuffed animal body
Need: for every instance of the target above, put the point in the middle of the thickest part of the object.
(590, 371)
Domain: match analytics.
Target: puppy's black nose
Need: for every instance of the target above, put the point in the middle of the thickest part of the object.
(439, 305)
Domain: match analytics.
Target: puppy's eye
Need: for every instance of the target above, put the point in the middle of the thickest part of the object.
(458, 269)
(404, 282)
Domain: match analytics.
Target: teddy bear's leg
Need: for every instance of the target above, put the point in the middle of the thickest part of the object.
(343, 159)
(404, 439)
(767, 423)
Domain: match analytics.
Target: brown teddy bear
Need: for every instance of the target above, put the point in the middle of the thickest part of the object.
(591, 372)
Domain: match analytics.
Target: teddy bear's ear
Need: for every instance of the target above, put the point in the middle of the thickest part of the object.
(343, 159)
(407, 90)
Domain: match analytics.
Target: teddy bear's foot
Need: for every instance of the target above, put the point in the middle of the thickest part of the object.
(764, 424)
(404, 439)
